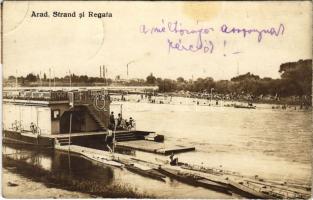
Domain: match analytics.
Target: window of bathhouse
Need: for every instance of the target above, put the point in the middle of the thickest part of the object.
(55, 114)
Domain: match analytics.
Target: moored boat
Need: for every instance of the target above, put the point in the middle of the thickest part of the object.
(103, 159)
(245, 106)
(243, 189)
(194, 180)
(150, 173)
(277, 190)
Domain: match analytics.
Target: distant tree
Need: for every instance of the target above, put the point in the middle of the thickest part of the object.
(202, 85)
(83, 78)
(297, 77)
(31, 77)
(74, 78)
(180, 80)
(44, 76)
(11, 77)
(151, 79)
(166, 85)
(109, 81)
(159, 80)
(247, 76)
(21, 80)
(267, 79)
(222, 86)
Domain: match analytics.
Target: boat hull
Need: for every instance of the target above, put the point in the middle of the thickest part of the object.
(146, 173)
(246, 191)
(246, 107)
(11, 137)
(194, 181)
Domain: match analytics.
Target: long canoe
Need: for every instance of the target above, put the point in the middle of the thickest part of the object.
(150, 173)
(103, 159)
(194, 180)
(280, 191)
(247, 107)
(246, 191)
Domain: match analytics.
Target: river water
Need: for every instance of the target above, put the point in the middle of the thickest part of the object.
(271, 143)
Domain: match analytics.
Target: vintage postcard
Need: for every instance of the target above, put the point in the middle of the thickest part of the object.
(165, 99)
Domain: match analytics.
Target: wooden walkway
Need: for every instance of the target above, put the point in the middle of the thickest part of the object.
(64, 135)
(154, 147)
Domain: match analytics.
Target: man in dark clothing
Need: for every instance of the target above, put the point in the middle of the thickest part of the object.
(112, 121)
(131, 122)
(173, 161)
(119, 120)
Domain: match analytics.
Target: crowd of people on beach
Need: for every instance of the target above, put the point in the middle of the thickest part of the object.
(297, 102)
(121, 124)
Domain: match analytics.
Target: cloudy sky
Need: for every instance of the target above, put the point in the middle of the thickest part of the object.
(81, 45)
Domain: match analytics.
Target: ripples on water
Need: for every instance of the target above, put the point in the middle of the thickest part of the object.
(273, 143)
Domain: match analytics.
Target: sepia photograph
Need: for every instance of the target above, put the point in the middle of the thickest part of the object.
(156, 99)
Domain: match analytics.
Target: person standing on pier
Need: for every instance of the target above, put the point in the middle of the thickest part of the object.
(119, 120)
(131, 122)
(112, 121)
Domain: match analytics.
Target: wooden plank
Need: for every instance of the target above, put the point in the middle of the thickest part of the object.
(175, 149)
(63, 135)
(154, 147)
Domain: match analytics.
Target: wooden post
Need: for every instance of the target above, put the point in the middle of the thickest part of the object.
(53, 78)
(113, 142)
(15, 75)
(49, 78)
(70, 131)
(121, 110)
(103, 71)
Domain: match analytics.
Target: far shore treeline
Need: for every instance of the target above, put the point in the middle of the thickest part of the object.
(296, 80)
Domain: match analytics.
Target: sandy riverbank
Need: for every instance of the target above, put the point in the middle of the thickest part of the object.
(27, 188)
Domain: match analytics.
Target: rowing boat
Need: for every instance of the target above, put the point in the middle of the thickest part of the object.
(278, 190)
(194, 180)
(244, 189)
(151, 173)
(247, 107)
(103, 159)
(209, 170)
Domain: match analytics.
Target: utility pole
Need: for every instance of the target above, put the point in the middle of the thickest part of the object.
(106, 72)
(49, 78)
(70, 78)
(69, 136)
(53, 78)
(127, 67)
(103, 71)
(16, 78)
(127, 70)
(40, 79)
(100, 72)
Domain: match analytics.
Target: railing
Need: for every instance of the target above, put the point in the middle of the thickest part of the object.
(98, 98)
(36, 95)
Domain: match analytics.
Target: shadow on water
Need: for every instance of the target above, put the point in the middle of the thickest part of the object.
(75, 173)
(67, 171)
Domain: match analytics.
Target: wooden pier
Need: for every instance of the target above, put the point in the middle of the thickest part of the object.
(154, 147)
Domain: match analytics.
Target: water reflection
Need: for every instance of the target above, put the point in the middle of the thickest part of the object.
(60, 163)
(66, 165)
